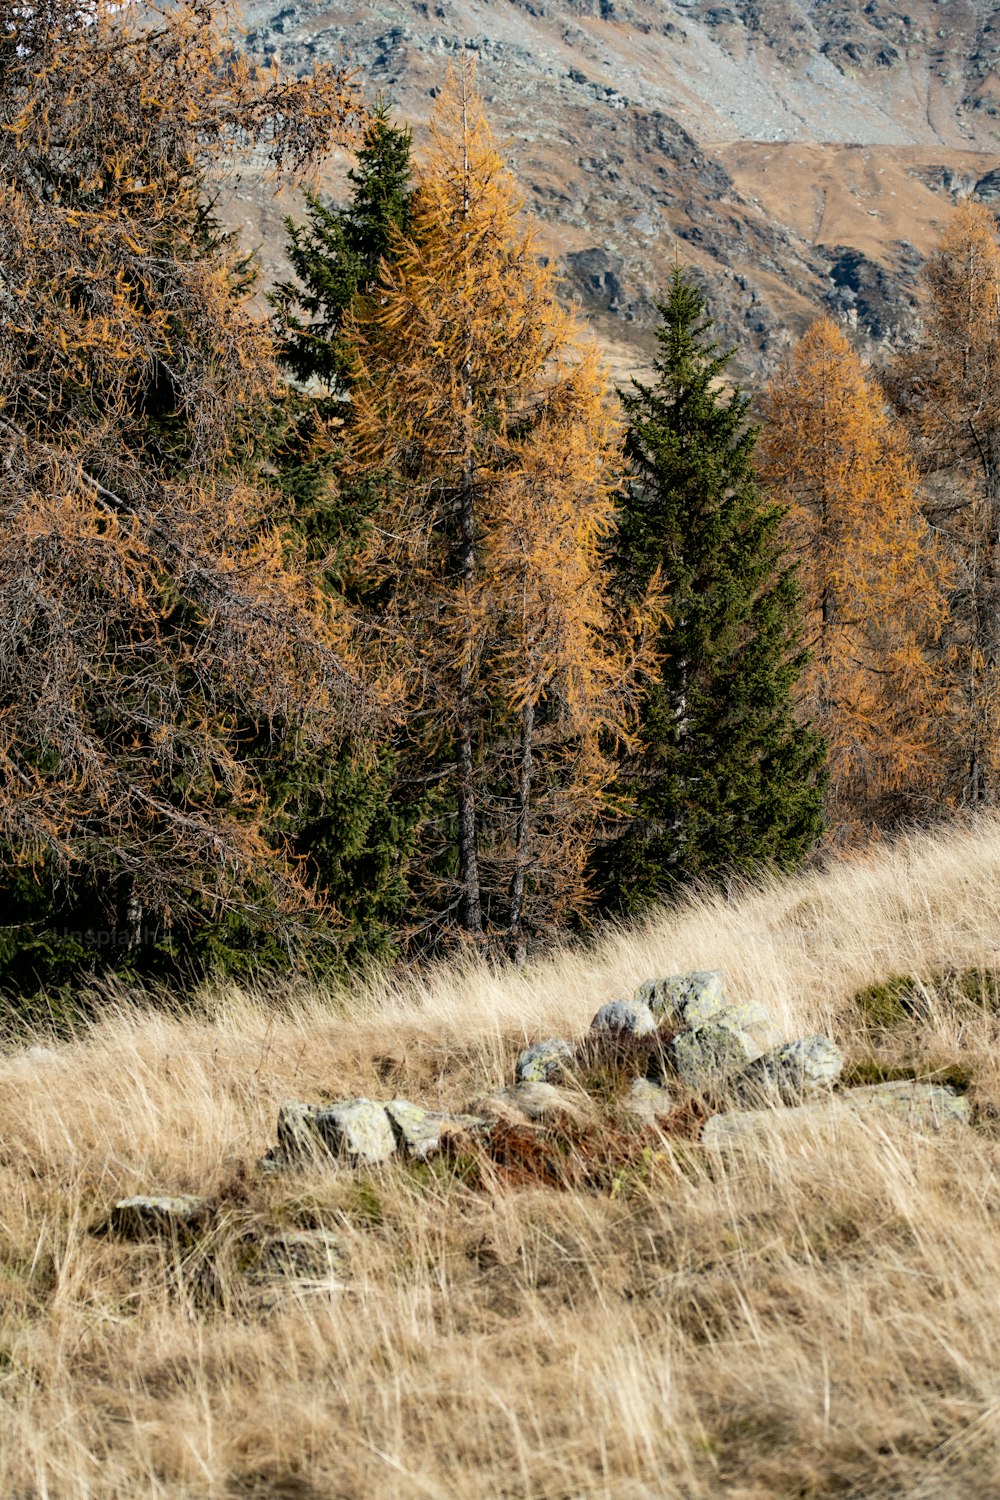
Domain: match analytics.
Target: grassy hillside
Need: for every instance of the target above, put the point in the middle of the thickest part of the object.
(816, 1318)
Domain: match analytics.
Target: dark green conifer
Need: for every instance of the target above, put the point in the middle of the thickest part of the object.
(347, 816)
(724, 779)
(336, 253)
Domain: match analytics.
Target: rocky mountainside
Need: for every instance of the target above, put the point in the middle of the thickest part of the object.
(801, 154)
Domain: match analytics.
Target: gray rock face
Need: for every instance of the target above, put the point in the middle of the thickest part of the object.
(631, 160)
(923, 1106)
(684, 999)
(706, 1057)
(624, 1018)
(359, 1130)
(792, 1073)
(419, 1131)
(544, 1062)
(145, 1215)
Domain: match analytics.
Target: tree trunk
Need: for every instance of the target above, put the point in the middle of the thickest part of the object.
(522, 837)
(470, 906)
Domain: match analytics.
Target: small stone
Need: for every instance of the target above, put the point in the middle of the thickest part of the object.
(275, 1161)
(704, 1058)
(624, 1018)
(791, 1073)
(684, 999)
(419, 1131)
(40, 1054)
(756, 1025)
(545, 1062)
(146, 1215)
(358, 1130)
(646, 1101)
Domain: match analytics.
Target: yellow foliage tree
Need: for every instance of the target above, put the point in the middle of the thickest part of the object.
(151, 612)
(948, 393)
(489, 429)
(873, 580)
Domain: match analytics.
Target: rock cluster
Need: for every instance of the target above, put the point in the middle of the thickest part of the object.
(682, 1038)
(686, 1038)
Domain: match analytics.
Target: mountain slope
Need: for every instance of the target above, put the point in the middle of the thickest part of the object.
(801, 154)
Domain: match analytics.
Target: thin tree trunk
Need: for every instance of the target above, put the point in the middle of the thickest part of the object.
(470, 906)
(522, 837)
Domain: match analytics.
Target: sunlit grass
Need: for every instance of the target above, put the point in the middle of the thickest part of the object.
(817, 1318)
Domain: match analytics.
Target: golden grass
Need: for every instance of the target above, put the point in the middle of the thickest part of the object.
(818, 1318)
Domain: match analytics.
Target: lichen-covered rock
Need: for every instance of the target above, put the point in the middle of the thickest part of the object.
(707, 1056)
(544, 1062)
(624, 1018)
(923, 1106)
(646, 1101)
(358, 1130)
(419, 1131)
(146, 1215)
(791, 1073)
(684, 999)
(535, 1102)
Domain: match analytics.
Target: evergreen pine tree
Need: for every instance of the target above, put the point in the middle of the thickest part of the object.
(336, 254)
(724, 779)
(341, 807)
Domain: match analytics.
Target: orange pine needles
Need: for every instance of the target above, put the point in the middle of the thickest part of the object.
(150, 610)
(488, 426)
(873, 580)
(948, 392)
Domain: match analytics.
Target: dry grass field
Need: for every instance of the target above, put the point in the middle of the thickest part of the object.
(816, 1317)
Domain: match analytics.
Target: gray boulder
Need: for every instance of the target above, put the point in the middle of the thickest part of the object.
(756, 1026)
(624, 1018)
(706, 1057)
(358, 1130)
(684, 999)
(791, 1073)
(923, 1106)
(298, 1138)
(545, 1062)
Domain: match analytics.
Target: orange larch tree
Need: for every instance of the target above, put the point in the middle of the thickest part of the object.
(488, 427)
(947, 390)
(152, 612)
(873, 580)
